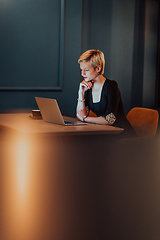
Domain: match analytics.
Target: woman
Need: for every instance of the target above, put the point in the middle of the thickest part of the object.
(99, 94)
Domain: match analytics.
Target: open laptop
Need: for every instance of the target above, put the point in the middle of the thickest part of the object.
(51, 113)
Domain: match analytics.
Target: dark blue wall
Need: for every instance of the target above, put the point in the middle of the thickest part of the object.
(41, 40)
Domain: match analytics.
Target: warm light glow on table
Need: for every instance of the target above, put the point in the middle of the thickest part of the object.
(22, 167)
(19, 179)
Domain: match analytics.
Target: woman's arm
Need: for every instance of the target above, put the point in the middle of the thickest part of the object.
(81, 101)
(81, 107)
(112, 93)
(99, 120)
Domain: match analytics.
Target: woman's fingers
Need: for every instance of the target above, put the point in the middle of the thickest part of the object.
(86, 84)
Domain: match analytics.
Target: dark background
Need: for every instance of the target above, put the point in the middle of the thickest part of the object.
(41, 41)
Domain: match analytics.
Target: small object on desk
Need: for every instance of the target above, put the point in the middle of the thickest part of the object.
(36, 114)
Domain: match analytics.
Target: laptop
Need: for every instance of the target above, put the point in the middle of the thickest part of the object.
(51, 113)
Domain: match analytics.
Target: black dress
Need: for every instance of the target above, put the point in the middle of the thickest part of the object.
(110, 102)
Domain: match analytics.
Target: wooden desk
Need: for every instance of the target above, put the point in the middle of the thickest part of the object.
(53, 179)
(21, 122)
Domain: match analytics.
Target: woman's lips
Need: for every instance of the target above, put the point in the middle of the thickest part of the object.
(84, 77)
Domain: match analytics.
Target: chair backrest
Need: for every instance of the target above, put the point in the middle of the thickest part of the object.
(144, 121)
(92, 114)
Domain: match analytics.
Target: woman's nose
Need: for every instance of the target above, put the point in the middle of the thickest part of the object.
(83, 72)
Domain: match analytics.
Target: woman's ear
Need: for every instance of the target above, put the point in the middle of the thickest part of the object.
(98, 69)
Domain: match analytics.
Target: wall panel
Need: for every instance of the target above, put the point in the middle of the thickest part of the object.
(150, 59)
(31, 45)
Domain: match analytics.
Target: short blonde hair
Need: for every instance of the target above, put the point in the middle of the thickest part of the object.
(95, 57)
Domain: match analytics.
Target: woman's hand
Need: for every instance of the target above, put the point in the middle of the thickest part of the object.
(84, 86)
(81, 114)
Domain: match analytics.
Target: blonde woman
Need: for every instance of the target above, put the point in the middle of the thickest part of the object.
(99, 94)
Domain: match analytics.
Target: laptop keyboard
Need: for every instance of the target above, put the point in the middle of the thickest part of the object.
(69, 122)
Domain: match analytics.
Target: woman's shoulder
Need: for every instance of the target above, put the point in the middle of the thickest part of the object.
(110, 84)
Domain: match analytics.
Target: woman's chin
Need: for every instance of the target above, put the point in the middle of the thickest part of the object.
(87, 80)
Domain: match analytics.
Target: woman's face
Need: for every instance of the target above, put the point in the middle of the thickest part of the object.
(87, 71)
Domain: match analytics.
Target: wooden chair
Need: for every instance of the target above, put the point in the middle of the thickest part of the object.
(144, 121)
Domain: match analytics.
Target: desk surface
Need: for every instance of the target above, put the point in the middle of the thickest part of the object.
(21, 122)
